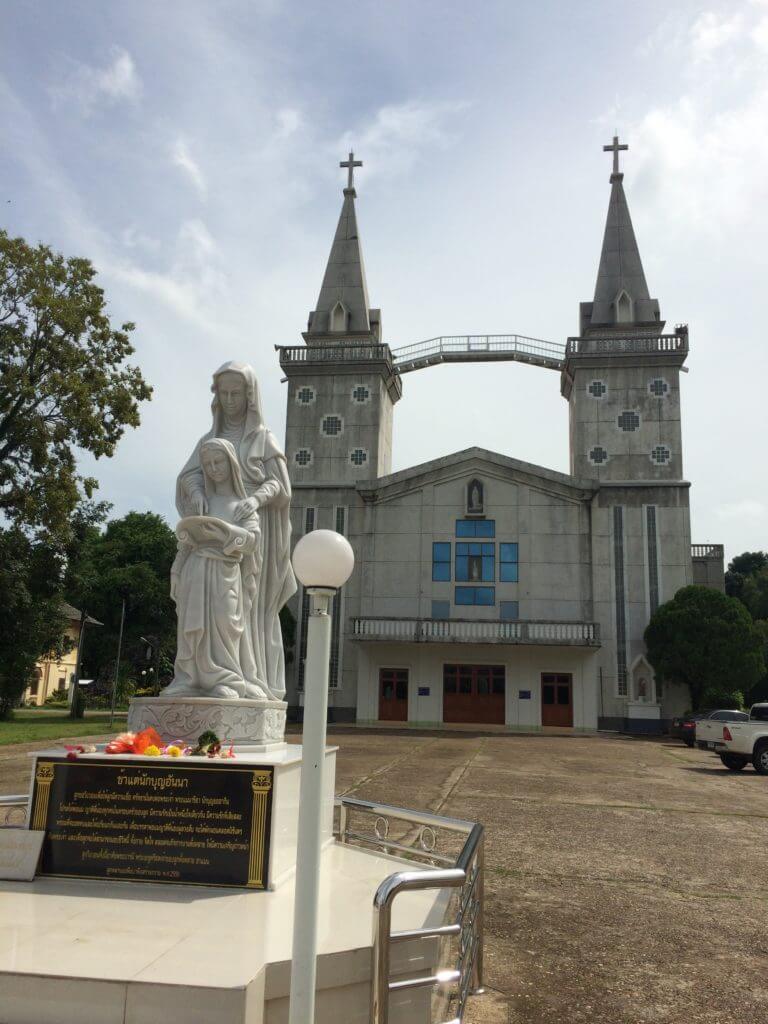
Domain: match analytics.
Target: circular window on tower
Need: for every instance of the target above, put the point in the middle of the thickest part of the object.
(361, 394)
(597, 388)
(303, 457)
(658, 387)
(332, 426)
(305, 395)
(598, 456)
(358, 456)
(628, 420)
(660, 455)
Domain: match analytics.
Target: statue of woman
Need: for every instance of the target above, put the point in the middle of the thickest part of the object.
(213, 582)
(237, 418)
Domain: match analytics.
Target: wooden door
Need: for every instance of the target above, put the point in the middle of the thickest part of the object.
(474, 694)
(557, 699)
(393, 694)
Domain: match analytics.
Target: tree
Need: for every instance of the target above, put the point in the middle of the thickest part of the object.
(754, 594)
(741, 568)
(31, 620)
(64, 383)
(708, 642)
(132, 558)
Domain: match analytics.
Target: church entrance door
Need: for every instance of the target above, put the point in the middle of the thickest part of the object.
(473, 693)
(557, 699)
(393, 694)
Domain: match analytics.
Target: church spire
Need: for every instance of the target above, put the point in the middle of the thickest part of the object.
(342, 306)
(621, 298)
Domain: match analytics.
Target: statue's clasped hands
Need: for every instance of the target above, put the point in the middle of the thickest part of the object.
(246, 509)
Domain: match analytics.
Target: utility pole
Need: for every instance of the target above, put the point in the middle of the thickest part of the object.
(74, 708)
(117, 667)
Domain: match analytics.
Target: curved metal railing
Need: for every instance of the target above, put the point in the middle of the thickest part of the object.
(463, 872)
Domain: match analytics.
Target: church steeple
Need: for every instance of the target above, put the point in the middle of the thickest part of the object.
(342, 310)
(622, 299)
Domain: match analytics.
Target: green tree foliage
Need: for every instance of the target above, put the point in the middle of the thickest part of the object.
(708, 642)
(64, 383)
(31, 621)
(754, 594)
(132, 558)
(741, 568)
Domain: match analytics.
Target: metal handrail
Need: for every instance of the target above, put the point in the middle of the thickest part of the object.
(467, 874)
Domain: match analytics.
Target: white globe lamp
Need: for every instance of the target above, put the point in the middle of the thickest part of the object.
(323, 559)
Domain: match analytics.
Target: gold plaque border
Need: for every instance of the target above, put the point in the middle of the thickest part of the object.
(261, 785)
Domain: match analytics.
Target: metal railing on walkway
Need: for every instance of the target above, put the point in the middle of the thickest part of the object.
(470, 348)
(462, 870)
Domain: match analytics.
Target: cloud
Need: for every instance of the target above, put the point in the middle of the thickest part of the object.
(402, 133)
(288, 122)
(88, 87)
(183, 159)
(747, 509)
(701, 158)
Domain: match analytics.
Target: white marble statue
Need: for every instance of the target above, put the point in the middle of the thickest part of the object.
(233, 572)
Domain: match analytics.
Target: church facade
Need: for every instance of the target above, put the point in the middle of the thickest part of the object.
(488, 590)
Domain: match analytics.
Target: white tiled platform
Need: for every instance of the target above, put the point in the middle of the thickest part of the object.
(92, 952)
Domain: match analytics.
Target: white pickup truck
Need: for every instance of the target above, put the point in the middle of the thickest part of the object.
(709, 729)
(747, 741)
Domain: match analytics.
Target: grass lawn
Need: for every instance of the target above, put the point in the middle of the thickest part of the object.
(30, 726)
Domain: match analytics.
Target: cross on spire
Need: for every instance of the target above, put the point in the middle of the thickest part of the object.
(351, 164)
(615, 148)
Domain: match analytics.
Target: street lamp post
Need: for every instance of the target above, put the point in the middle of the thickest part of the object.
(117, 668)
(323, 561)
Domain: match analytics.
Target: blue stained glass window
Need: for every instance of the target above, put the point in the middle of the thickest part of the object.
(475, 527)
(508, 563)
(475, 562)
(475, 595)
(441, 562)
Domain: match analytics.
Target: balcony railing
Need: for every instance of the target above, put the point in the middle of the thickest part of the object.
(348, 352)
(673, 343)
(713, 551)
(475, 631)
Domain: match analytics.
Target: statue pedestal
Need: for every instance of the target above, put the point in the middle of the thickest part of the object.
(254, 726)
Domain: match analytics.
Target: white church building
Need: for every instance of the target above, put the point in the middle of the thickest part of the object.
(486, 589)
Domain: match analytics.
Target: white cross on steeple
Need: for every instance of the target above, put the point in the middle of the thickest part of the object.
(351, 164)
(614, 148)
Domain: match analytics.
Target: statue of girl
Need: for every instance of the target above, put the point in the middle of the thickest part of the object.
(238, 419)
(214, 584)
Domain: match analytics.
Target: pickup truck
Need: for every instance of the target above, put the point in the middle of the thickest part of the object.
(747, 741)
(709, 730)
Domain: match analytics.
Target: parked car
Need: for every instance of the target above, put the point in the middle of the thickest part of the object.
(747, 741)
(684, 727)
(709, 730)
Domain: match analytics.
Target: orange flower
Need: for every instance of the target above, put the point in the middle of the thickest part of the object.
(146, 738)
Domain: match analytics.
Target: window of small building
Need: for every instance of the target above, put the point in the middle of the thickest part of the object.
(475, 563)
(475, 596)
(441, 562)
(508, 563)
(475, 527)
(62, 682)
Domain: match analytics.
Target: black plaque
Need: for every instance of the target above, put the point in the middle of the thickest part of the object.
(205, 823)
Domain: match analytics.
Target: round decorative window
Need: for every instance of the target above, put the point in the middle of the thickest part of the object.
(660, 455)
(305, 395)
(358, 457)
(597, 388)
(628, 420)
(303, 457)
(598, 455)
(361, 394)
(658, 387)
(332, 425)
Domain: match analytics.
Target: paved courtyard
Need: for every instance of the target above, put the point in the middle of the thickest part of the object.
(626, 878)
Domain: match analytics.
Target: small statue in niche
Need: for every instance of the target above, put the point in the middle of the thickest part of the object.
(475, 498)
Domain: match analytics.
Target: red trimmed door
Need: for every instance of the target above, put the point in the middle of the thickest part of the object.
(474, 694)
(393, 694)
(557, 699)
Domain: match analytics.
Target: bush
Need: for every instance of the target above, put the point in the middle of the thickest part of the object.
(57, 698)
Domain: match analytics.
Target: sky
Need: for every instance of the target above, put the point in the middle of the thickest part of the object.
(190, 149)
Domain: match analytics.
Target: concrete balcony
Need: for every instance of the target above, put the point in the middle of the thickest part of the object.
(474, 631)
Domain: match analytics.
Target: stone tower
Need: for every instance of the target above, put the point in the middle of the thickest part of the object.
(621, 380)
(621, 376)
(341, 386)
